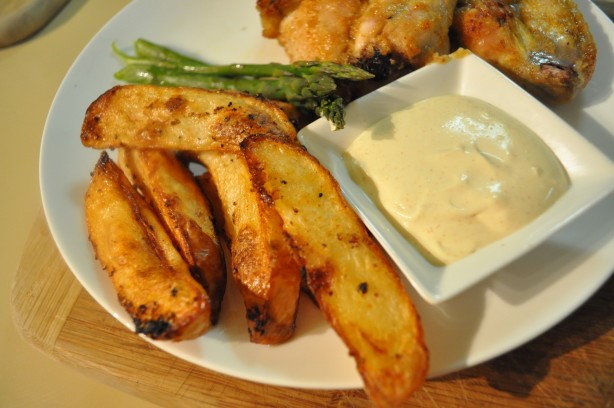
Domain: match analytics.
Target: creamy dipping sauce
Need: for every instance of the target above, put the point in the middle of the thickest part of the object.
(455, 174)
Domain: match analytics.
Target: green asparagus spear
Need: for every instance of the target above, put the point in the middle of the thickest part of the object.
(333, 109)
(283, 88)
(309, 85)
(151, 51)
(166, 58)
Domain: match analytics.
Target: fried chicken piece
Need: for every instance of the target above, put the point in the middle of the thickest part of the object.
(319, 30)
(272, 13)
(382, 36)
(412, 30)
(543, 45)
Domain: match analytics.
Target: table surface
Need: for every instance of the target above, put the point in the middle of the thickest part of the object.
(100, 363)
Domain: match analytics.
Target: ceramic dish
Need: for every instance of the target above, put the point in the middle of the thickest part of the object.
(533, 293)
(590, 171)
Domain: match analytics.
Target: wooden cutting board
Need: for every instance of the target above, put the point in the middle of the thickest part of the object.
(20, 19)
(571, 365)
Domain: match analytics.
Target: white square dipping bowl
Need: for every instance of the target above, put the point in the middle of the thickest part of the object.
(591, 172)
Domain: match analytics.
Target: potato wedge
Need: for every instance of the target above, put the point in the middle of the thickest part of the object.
(171, 189)
(264, 266)
(152, 280)
(349, 275)
(177, 118)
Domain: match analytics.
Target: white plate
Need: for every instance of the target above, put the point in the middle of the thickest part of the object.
(532, 294)
(591, 173)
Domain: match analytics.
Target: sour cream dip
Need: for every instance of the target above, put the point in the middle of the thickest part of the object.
(454, 174)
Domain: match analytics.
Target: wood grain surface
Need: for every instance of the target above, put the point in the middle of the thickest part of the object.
(571, 365)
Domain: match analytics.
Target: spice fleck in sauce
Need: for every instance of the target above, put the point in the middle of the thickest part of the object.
(455, 174)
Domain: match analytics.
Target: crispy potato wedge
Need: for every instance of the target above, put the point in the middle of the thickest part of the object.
(264, 266)
(152, 280)
(170, 187)
(349, 275)
(178, 118)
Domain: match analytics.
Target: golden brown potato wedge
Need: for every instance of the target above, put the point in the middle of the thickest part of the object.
(171, 189)
(177, 118)
(152, 280)
(352, 280)
(264, 266)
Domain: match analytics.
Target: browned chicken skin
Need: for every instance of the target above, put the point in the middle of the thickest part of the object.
(383, 36)
(319, 30)
(272, 12)
(413, 30)
(543, 45)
